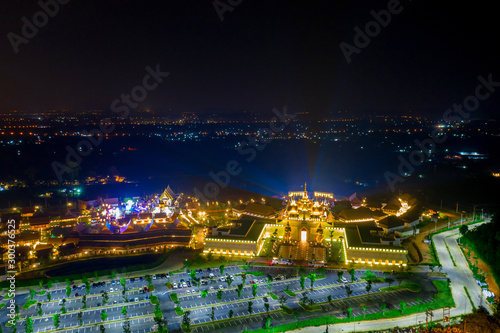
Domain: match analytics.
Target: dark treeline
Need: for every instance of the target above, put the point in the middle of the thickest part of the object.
(485, 241)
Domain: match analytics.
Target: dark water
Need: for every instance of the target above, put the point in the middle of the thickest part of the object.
(282, 165)
(91, 265)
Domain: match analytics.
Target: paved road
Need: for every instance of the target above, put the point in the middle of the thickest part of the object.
(459, 276)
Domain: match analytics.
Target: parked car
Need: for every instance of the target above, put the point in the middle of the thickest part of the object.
(136, 299)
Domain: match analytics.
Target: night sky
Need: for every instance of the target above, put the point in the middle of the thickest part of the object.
(264, 54)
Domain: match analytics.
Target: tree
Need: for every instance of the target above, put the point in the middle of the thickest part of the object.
(222, 258)
(49, 296)
(105, 298)
(210, 256)
(250, 309)
(229, 280)
(230, 313)
(49, 283)
(382, 307)
(211, 314)
(440, 267)
(402, 306)
(302, 282)
(56, 320)
(312, 277)
(243, 278)
(84, 301)
(102, 329)
(389, 281)
(349, 310)
(123, 282)
(28, 324)
(87, 286)
(431, 267)
(239, 289)
(339, 275)
(149, 279)
(368, 287)
(269, 324)
(32, 294)
(329, 298)
(96, 276)
(68, 291)
(39, 309)
(296, 316)
(80, 318)
(104, 315)
(304, 298)
(348, 290)
(124, 311)
(112, 274)
(352, 272)
(204, 293)
(186, 321)
(126, 327)
(463, 229)
(400, 277)
(192, 274)
(254, 290)
(364, 310)
(419, 301)
(219, 295)
(266, 305)
(283, 299)
(222, 268)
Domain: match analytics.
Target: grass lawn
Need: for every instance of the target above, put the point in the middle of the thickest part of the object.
(179, 311)
(286, 309)
(8, 297)
(255, 273)
(290, 293)
(307, 307)
(441, 299)
(174, 298)
(27, 305)
(41, 293)
(153, 299)
(273, 296)
(267, 248)
(337, 252)
(2, 305)
(412, 286)
(374, 280)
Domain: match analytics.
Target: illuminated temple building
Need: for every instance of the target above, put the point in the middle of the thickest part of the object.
(306, 231)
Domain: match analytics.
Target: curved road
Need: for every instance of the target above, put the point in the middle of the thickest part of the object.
(460, 276)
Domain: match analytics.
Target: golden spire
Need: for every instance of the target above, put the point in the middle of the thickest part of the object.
(305, 190)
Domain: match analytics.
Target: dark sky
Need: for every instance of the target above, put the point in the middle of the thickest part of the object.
(264, 54)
